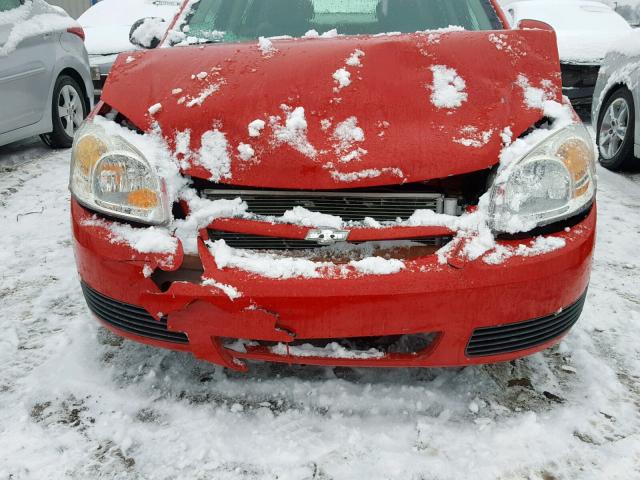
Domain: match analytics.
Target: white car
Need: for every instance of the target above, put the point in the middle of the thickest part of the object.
(616, 105)
(585, 30)
(108, 25)
(45, 84)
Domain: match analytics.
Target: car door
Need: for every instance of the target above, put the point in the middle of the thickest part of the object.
(25, 72)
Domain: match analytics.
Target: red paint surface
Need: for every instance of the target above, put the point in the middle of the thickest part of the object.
(392, 86)
(426, 297)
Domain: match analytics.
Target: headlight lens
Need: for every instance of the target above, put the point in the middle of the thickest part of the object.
(111, 176)
(554, 181)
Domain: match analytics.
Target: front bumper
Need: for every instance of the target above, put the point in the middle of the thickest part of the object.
(474, 312)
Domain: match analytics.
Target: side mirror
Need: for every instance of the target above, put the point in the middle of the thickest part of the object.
(148, 32)
(528, 24)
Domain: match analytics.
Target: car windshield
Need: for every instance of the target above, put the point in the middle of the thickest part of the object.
(243, 20)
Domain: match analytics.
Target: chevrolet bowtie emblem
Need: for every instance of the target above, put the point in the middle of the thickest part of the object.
(327, 236)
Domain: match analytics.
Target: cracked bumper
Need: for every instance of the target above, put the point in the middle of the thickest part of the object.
(451, 302)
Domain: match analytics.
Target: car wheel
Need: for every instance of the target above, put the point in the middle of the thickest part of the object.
(68, 110)
(616, 131)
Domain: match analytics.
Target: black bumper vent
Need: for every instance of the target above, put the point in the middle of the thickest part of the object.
(129, 318)
(259, 242)
(516, 337)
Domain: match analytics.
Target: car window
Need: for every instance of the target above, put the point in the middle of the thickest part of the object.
(238, 20)
(6, 5)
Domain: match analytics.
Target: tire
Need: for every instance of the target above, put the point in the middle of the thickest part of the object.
(616, 131)
(68, 110)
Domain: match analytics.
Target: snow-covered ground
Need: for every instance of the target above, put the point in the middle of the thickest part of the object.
(78, 402)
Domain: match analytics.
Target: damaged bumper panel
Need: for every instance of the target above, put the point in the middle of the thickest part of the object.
(427, 315)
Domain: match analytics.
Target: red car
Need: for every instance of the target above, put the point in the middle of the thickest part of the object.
(263, 191)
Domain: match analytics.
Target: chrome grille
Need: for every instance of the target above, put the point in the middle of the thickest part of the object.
(259, 242)
(350, 206)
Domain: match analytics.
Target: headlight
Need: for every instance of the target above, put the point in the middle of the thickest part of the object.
(554, 181)
(111, 176)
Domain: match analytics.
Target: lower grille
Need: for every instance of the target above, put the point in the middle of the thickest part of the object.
(579, 76)
(522, 336)
(350, 206)
(129, 318)
(258, 242)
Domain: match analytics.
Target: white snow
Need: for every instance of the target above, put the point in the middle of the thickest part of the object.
(280, 266)
(355, 58)
(143, 240)
(256, 127)
(473, 137)
(183, 146)
(153, 109)
(266, 47)
(347, 135)
(448, 88)
(377, 266)
(506, 136)
(628, 45)
(540, 246)
(228, 290)
(535, 97)
(294, 131)
(435, 36)
(366, 173)
(342, 78)
(245, 152)
(214, 155)
(265, 264)
(333, 33)
(307, 218)
(332, 350)
(152, 28)
(205, 93)
(202, 213)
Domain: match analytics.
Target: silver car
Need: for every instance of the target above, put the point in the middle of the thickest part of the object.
(45, 82)
(616, 106)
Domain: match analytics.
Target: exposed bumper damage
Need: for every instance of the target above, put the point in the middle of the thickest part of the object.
(429, 311)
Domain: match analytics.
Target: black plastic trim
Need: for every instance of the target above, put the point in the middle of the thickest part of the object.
(130, 318)
(514, 337)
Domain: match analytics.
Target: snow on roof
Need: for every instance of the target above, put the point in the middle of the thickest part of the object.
(585, 29)
(30, 20)
(107, 24)
(628, 45)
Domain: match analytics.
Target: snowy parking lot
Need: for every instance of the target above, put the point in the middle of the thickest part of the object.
(78, 402)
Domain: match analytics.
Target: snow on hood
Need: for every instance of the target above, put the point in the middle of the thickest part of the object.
(108, 23)
(308, 116)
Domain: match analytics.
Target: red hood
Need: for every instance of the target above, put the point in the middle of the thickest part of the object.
(406, 137)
